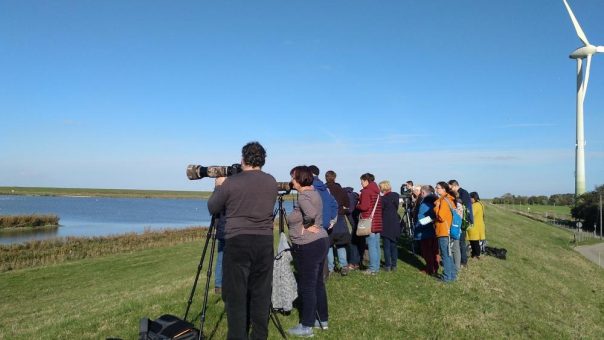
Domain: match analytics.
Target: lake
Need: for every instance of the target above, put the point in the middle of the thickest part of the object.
(100, 216)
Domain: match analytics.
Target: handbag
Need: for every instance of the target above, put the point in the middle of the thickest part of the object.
(364, 226)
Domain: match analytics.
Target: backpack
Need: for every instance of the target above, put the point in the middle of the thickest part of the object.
(330, 208)
(455, 228)
(167, 327)
(330, 205)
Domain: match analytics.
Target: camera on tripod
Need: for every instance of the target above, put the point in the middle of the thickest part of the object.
(285, 187)
(195, 171)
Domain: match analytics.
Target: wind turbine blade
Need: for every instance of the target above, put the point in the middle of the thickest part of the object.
(580, 32)
(600, 49)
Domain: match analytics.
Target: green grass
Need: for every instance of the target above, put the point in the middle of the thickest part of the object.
(543, 290)
(31, 191)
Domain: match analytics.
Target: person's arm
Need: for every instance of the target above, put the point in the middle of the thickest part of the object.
(217, 201)
(364, 201)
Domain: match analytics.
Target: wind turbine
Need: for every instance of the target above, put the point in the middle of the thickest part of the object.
(581, 53)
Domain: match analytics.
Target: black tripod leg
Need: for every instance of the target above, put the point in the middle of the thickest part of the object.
(277, 323)
(202, 318)
(200, 266)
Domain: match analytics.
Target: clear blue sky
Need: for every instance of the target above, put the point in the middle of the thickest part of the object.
(126, 94)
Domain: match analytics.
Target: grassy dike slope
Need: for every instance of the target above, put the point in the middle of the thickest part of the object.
(544, 290)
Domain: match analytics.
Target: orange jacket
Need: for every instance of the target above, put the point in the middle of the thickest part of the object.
(444, 218)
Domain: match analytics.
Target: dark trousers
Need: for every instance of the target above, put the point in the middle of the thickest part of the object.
(475, 248)
(463, 247)
(247, 275)
(390, 252)
(429, 253)
(309, 260)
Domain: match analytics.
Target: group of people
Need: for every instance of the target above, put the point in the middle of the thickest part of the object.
(322, 227)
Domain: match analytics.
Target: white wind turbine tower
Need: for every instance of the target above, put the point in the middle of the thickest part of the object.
(581, 53)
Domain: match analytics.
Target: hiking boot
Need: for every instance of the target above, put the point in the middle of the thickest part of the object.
(318, 325)
(301, 331)
(344, 271)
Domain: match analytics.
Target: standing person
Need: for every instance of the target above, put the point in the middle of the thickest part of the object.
(391, 225)
(219, 253)
(370, 194)
(477, 233)
(249, 199)
(464, 196)
(444, 218)
(309, 249)
(424, 228)
(357, 243)
(339, 235)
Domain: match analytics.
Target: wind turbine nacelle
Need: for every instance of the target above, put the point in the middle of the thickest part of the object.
(583, 52)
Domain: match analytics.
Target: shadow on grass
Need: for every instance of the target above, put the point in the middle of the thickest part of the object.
(405, 253)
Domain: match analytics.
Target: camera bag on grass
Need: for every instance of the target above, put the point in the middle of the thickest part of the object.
(455, 230)
(167, 327)
(364, 226)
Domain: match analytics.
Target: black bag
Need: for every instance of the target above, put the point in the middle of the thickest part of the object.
(500, 253)
(167, 327)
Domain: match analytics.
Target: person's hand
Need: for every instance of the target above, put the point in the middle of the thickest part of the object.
(219, 181)
(312, 229)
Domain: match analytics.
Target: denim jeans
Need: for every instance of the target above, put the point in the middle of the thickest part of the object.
(309, 260)
(341, 257)
(449, 273)
(456, 253)
(218, 267)
(390, 252)
(248, 278)
(373, 245)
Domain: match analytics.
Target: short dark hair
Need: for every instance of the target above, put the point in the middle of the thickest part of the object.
(314, 169)
(368, 177)
(453, 182)
(330, 176)
(253, 154)
(302, 175)
(410, 183)
(475, 196)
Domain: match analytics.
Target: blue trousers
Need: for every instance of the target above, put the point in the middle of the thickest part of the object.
(450, 272)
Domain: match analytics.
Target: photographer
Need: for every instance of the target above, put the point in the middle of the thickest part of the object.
(309, 248)
(249, 199)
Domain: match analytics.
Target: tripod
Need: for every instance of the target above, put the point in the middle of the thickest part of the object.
(210, 236)
(408, 221)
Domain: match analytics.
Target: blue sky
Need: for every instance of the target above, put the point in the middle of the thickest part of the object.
(126, 94)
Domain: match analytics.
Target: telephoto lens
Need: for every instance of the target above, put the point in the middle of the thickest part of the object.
(195, 171)
(284, 186)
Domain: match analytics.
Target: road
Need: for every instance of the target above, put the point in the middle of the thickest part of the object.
(594, 253)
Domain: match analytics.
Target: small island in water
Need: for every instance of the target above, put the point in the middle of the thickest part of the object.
(28, 222)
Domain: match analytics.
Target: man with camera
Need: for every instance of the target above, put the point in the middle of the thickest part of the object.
(248, 198)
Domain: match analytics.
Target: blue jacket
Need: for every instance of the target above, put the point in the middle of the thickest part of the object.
(330, 205)
(426, 208)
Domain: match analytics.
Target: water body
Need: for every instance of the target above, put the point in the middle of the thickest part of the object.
(100, 216)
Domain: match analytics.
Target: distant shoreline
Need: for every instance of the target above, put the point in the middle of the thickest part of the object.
(115, 193)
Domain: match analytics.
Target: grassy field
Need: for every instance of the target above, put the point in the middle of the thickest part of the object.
(102, 192)
(543, 290)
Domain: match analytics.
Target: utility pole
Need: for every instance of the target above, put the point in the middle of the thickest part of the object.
(600, 216)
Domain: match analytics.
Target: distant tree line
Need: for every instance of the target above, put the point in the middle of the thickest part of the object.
(557, 199)
(588, 208)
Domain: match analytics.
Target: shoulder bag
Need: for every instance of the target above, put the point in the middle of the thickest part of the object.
(364, 226)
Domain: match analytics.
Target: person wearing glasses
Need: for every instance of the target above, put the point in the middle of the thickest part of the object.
(444, 218)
